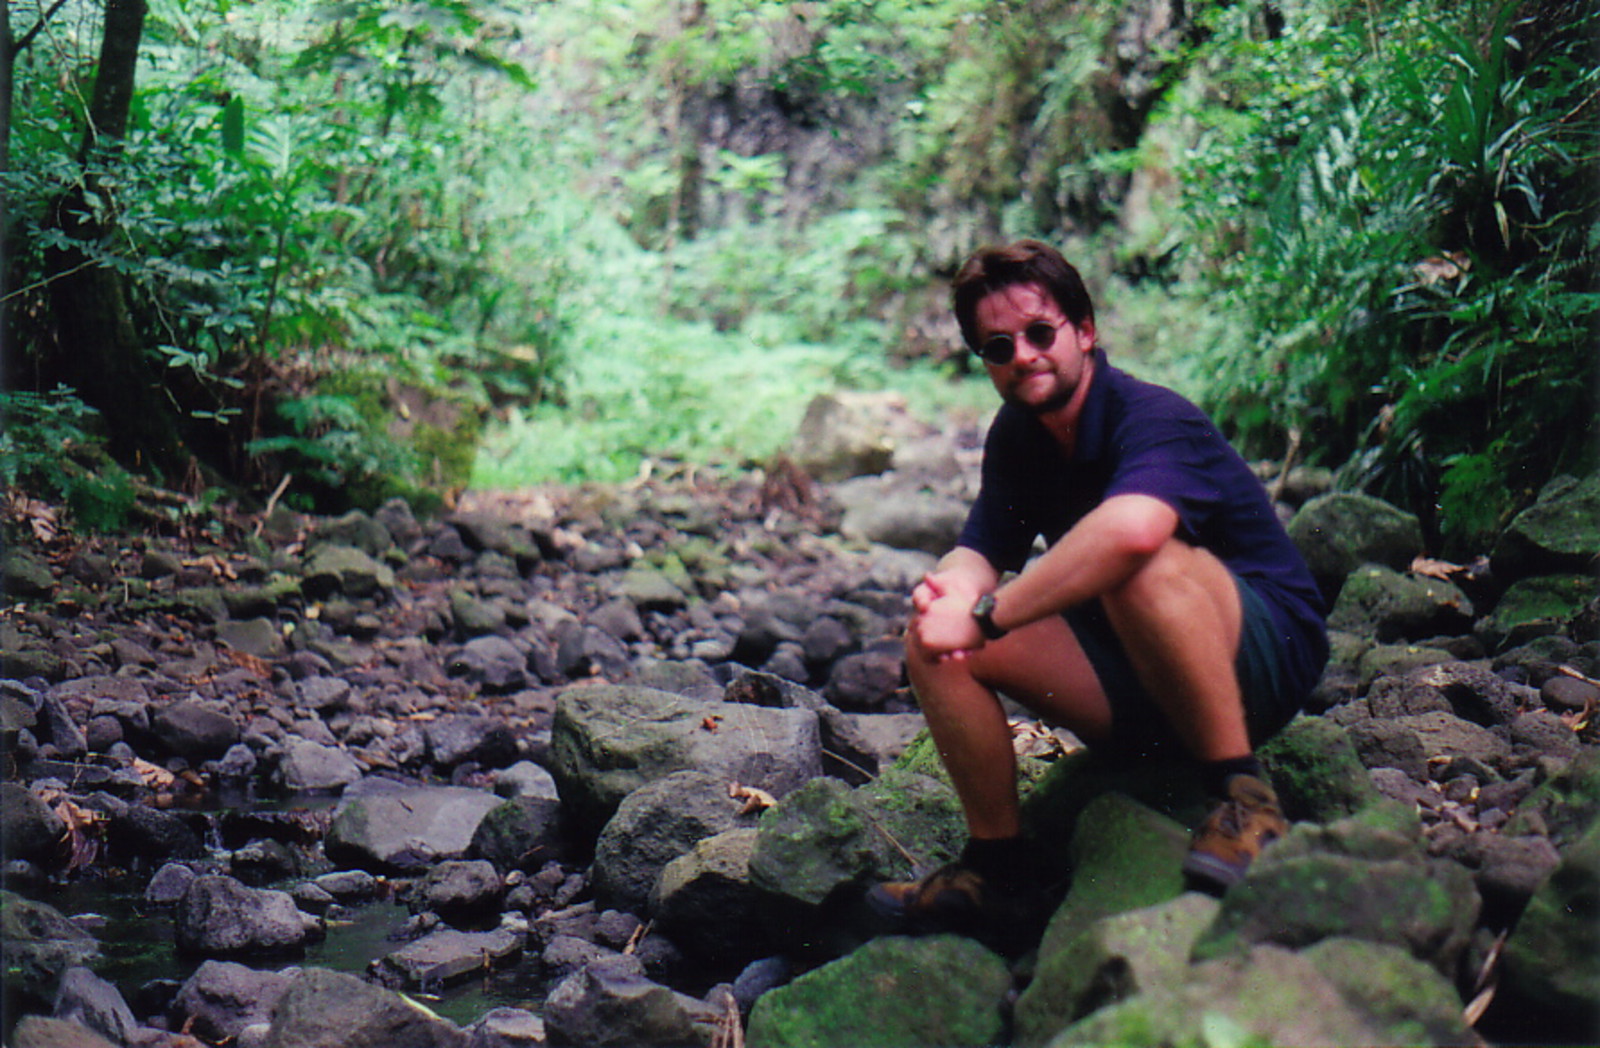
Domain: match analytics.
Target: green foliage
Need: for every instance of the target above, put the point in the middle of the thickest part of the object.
(1409, 283)
(48, 446)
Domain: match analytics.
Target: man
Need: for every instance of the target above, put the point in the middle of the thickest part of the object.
(1169, 611)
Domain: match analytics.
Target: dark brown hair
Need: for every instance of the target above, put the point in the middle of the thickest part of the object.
(996, 268)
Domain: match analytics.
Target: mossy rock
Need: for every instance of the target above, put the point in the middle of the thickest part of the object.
(1124, 856)
(892, 993)
(1316, 771)
(1565, 805)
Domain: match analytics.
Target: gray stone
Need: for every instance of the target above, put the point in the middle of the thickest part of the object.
(221, 998)
(194, 730)
(704, 901)
(1552, 959)
(607, 741)
(220, 917)
(326, 1009)
(258, 637)
(1409, 1000)
(29, 828)
(609, 1003)
(459, 890)
(309, 765)
(1444, 735)
(385, 828)
(900, 513)
(526, 779)
(845, 435)
(654, 825)
(323, 694)
(1338, 532)
(1108, 960)
(24, 575)
(491, 662)
(334, 569)
(1266, 995)
(38, 1031)
(473, 617)
(169, 884)
(90, 1001)
(355, 529)
(40, 944)
(447, 956)
(1557, 533)
(522, 833)
(649, 589)
(1348, 880)
(455, 740)
(507, 1028)
(1380, 602)
(483, 531)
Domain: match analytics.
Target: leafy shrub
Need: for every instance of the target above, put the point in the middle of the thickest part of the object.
(1408, 283)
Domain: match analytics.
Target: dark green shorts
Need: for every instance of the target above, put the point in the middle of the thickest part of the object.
(1138, 727)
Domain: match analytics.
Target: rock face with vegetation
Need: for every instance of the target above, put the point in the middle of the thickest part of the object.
(622, 741)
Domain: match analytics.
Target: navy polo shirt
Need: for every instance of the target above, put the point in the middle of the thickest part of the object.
(1135, 437)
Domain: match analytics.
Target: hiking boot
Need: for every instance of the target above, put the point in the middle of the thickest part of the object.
(1234, 833)
(955, 898)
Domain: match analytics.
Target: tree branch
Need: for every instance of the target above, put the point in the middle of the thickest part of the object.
(38, 27)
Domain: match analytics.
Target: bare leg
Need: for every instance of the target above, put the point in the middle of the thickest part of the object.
(1179, 619)
(1039, 665)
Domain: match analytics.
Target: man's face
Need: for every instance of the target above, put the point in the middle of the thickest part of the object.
(1039, 379)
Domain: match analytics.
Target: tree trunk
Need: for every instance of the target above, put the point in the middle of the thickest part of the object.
(99, 348)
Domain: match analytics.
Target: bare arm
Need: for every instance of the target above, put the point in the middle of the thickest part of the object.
(1101, 551)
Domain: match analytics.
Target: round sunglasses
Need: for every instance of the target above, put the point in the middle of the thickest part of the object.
(1000, 349)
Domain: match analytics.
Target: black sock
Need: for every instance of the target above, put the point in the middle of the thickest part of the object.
(1217, 773)
(999, 860)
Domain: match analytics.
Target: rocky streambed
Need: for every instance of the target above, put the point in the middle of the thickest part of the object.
(613, 766)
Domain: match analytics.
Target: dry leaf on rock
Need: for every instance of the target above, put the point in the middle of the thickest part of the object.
(754, 799)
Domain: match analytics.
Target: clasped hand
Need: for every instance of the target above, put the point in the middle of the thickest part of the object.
(942, 621)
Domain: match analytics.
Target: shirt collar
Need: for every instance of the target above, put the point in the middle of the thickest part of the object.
(1091, 436)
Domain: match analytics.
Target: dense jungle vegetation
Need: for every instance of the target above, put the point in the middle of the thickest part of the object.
(330, 252)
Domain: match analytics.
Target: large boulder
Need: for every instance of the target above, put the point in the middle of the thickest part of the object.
(333, 569)
(1266, 995)
(610, 1003)
(900, 513)
(29, 828)
(609, 740)
(1316, 771)
(96, 1004)
(447, 956)
(387, 827)
(826, 843)
(221, 998)
(1560, 532)
(705, 904)
(941, 990)
(1348, 879)
(1552, 960)
(1108, 960)
(1339, 532)
(1380, 602)
(1124, 856)
(654, 825)
(521, 833)
(220, 917)
(39, 946)
(327, 1009)
(846, 435)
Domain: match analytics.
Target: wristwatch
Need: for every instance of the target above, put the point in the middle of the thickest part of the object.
(983, 615)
